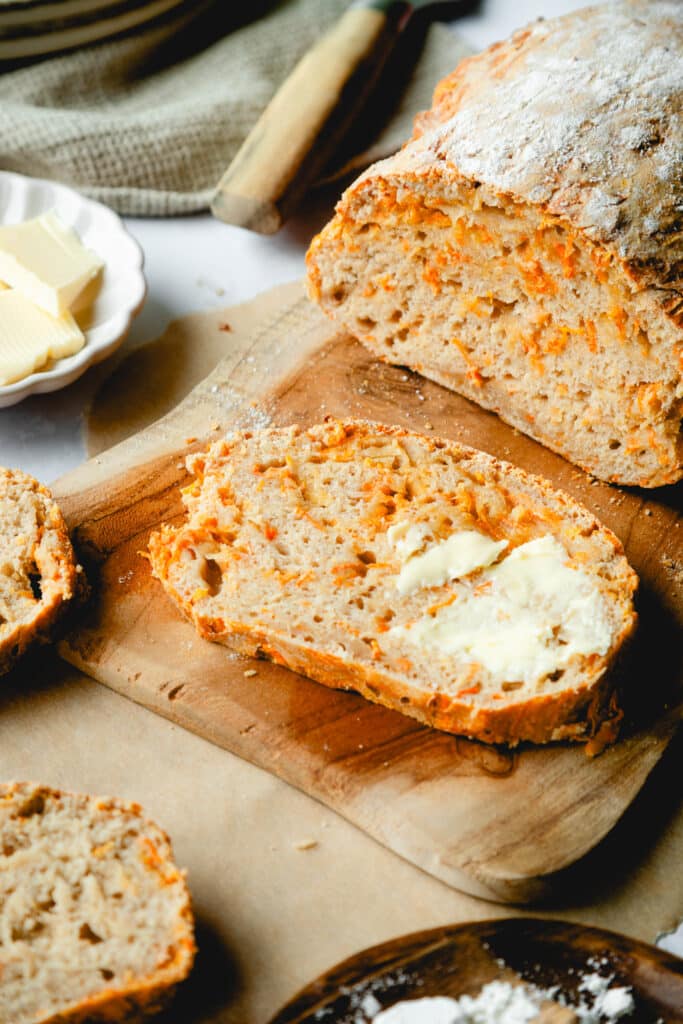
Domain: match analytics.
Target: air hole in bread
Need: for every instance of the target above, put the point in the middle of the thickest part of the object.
(396, 316)
(338, 295)
(404, 700)
(555, 676)
(86, 933)
(366, 322)
(614, 444)
(282, 549)
(507, 687)
(317, 618)
(367, 557)
(34, 578)
(107, 975)
(359, 603)
(212, 576)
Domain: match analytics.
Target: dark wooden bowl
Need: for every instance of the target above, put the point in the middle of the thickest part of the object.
(461, 958)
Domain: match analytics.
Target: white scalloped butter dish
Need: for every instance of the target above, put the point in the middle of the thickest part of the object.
(121, 292)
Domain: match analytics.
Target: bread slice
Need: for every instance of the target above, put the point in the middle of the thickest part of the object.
(38, 571)
(525, 248)
(372, 558)
(95, 919)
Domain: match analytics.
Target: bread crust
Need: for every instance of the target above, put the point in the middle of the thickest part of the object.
(586, 710)
(43, 544)
(573, 126)
(140, 997)
(613, 170)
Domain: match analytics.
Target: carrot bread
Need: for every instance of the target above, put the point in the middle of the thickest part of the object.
(38, 571)
(95, 919)
(428, 576)
(525, 248)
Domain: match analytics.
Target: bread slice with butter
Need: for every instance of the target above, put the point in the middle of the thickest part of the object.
(430, 577)
(95, 918)
(39, 575)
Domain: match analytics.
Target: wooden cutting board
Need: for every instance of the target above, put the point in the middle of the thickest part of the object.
(496, 823)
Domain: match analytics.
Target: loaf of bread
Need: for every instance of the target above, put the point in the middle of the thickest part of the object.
(38, 571)
(427, 576)
(525, 248)
(95, 919)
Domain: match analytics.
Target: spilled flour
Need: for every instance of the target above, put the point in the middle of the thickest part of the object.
(499, 1002)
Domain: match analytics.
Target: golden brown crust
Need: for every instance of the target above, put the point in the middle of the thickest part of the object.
(575, 712)
(44, 546)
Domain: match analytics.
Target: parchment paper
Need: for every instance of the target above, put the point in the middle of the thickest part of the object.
(271, 913)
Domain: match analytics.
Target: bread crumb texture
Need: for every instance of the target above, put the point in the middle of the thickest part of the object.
(95, 919)
(38, 571)
(525, 248)
(321, 550)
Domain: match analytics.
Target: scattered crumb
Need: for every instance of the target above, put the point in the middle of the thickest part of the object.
(429, 426)
(648, 511)
(215, 425)
(225, 326)
(306, 844)
(249, 672)
(673, 568)
(190, 440)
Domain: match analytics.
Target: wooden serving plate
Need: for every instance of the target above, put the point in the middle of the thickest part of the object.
(460, 959)
(504, 824)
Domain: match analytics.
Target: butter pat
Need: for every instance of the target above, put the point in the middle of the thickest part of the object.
(46, 262)
(462, 553)
(521, 620)
(29, 337)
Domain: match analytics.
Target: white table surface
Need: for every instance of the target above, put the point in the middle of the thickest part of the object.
(195, 263)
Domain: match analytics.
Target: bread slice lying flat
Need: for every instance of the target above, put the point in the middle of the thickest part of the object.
(430, 577)
(525, 248)
(95, 920)
(38, 571)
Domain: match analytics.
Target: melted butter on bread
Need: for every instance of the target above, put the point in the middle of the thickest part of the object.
(462, 553)
(523, 618)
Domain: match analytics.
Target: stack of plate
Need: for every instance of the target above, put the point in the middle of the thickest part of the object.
(35, 28)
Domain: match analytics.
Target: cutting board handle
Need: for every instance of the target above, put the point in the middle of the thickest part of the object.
(302, 125)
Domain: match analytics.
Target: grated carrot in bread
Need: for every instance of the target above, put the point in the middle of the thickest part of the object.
(325, 598)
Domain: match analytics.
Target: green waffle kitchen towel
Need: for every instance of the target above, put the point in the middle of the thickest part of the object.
(149, 121)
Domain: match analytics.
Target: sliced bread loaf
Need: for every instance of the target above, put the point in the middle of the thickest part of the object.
(525, 248)
(95, 919)
(430, 577)
(38, 571)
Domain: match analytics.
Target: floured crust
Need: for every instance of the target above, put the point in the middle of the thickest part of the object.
(525, 248)
(294, 592)
(583, 116)
(140, 993)
(39, 575)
